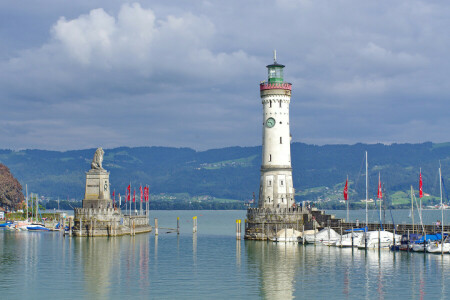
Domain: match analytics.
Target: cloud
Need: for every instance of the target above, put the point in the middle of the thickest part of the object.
(91, 73)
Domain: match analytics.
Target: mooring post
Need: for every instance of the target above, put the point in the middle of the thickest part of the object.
(276, 231)
(238, 229)
(341, 236)
(352, 238)
(156, 226)
(408, 240)
(365, 238)
(394, 236)
(303, 234)
(285, 233)
(70, 227)
(314, 233)
(134, 227)
(178, 225)
(379, 240)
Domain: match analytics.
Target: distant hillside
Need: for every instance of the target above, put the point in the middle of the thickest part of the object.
(233, 173)
(10, 189)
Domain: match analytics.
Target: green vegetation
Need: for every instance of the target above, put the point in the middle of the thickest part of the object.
(177, 176)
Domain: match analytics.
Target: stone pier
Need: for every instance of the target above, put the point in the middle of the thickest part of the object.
(98, 216)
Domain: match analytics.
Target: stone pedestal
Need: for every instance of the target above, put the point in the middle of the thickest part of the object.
(97, 194)
(98, 217)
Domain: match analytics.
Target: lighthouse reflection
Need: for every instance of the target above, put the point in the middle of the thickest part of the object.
(276, 265)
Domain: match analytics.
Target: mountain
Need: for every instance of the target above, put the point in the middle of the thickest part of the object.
(233, 172)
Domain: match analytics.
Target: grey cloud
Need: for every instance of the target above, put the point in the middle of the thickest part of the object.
(179, 74)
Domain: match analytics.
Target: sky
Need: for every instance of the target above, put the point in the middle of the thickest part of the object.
(90, 73)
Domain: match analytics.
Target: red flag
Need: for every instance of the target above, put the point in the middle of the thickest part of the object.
(420, 185)
(114, 195)
(128, 192)
(346, 190)
(140, 188)
(146, 194)
(380, 193)
(134, 195)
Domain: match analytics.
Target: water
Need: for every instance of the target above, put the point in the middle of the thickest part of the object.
(210, 264)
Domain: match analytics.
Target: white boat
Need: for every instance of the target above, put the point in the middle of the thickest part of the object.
(289, 235)
(326, 236)
(436, 247)
(385, 239)
(19, 225)
(418, 247)
(37, 226)
(346, 240)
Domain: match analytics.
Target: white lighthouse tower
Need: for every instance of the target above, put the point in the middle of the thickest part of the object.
(276, 188)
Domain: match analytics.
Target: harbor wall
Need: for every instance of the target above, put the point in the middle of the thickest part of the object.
(108, 222)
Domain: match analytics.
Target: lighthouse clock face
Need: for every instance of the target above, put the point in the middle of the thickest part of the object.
(270, 122)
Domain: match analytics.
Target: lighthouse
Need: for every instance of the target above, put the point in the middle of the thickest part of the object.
(276, 187)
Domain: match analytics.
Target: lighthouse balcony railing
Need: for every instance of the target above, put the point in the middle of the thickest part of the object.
(272, 86)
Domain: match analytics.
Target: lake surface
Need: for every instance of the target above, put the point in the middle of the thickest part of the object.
(211, 264)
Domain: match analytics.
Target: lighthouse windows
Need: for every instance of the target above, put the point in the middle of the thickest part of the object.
(280, 103)
(281, 140)
(270, 157)
(270, 103)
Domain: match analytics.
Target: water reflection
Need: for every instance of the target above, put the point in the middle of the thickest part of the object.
(277, 264)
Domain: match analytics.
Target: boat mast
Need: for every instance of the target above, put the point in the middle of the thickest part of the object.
(31, 198)
(36, 200)
(412, 207)
(367, 192)
(381, 199)
(442, 209)
(348, 199)
(26, 190)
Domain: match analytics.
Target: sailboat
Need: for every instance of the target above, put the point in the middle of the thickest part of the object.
(381, 238)
(444, 245)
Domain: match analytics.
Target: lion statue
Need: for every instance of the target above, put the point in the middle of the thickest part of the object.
(98, 159)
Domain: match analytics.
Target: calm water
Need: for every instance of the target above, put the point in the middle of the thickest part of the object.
(210, 264)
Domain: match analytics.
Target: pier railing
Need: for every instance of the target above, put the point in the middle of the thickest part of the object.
(399, 228)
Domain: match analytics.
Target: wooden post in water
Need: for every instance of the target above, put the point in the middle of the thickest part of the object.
(379, 240)
(194, 224)
(408, 240)
(352, 238)
(156, 226)
(134, 227)
(314, 233)
(303, 234)
(285, 233)
(178, 225)
(238, 229)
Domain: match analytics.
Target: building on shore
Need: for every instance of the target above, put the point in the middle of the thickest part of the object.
(98, 215)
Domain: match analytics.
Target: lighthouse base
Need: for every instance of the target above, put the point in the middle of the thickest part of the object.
(264, 223)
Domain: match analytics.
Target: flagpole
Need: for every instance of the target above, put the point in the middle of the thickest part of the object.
(26, 189)
(412, 208)
(381, 198)
(367, 192)
(420, 193)
(442, 210)
(348, 199)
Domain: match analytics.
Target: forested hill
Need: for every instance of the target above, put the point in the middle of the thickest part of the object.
(231, 173)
